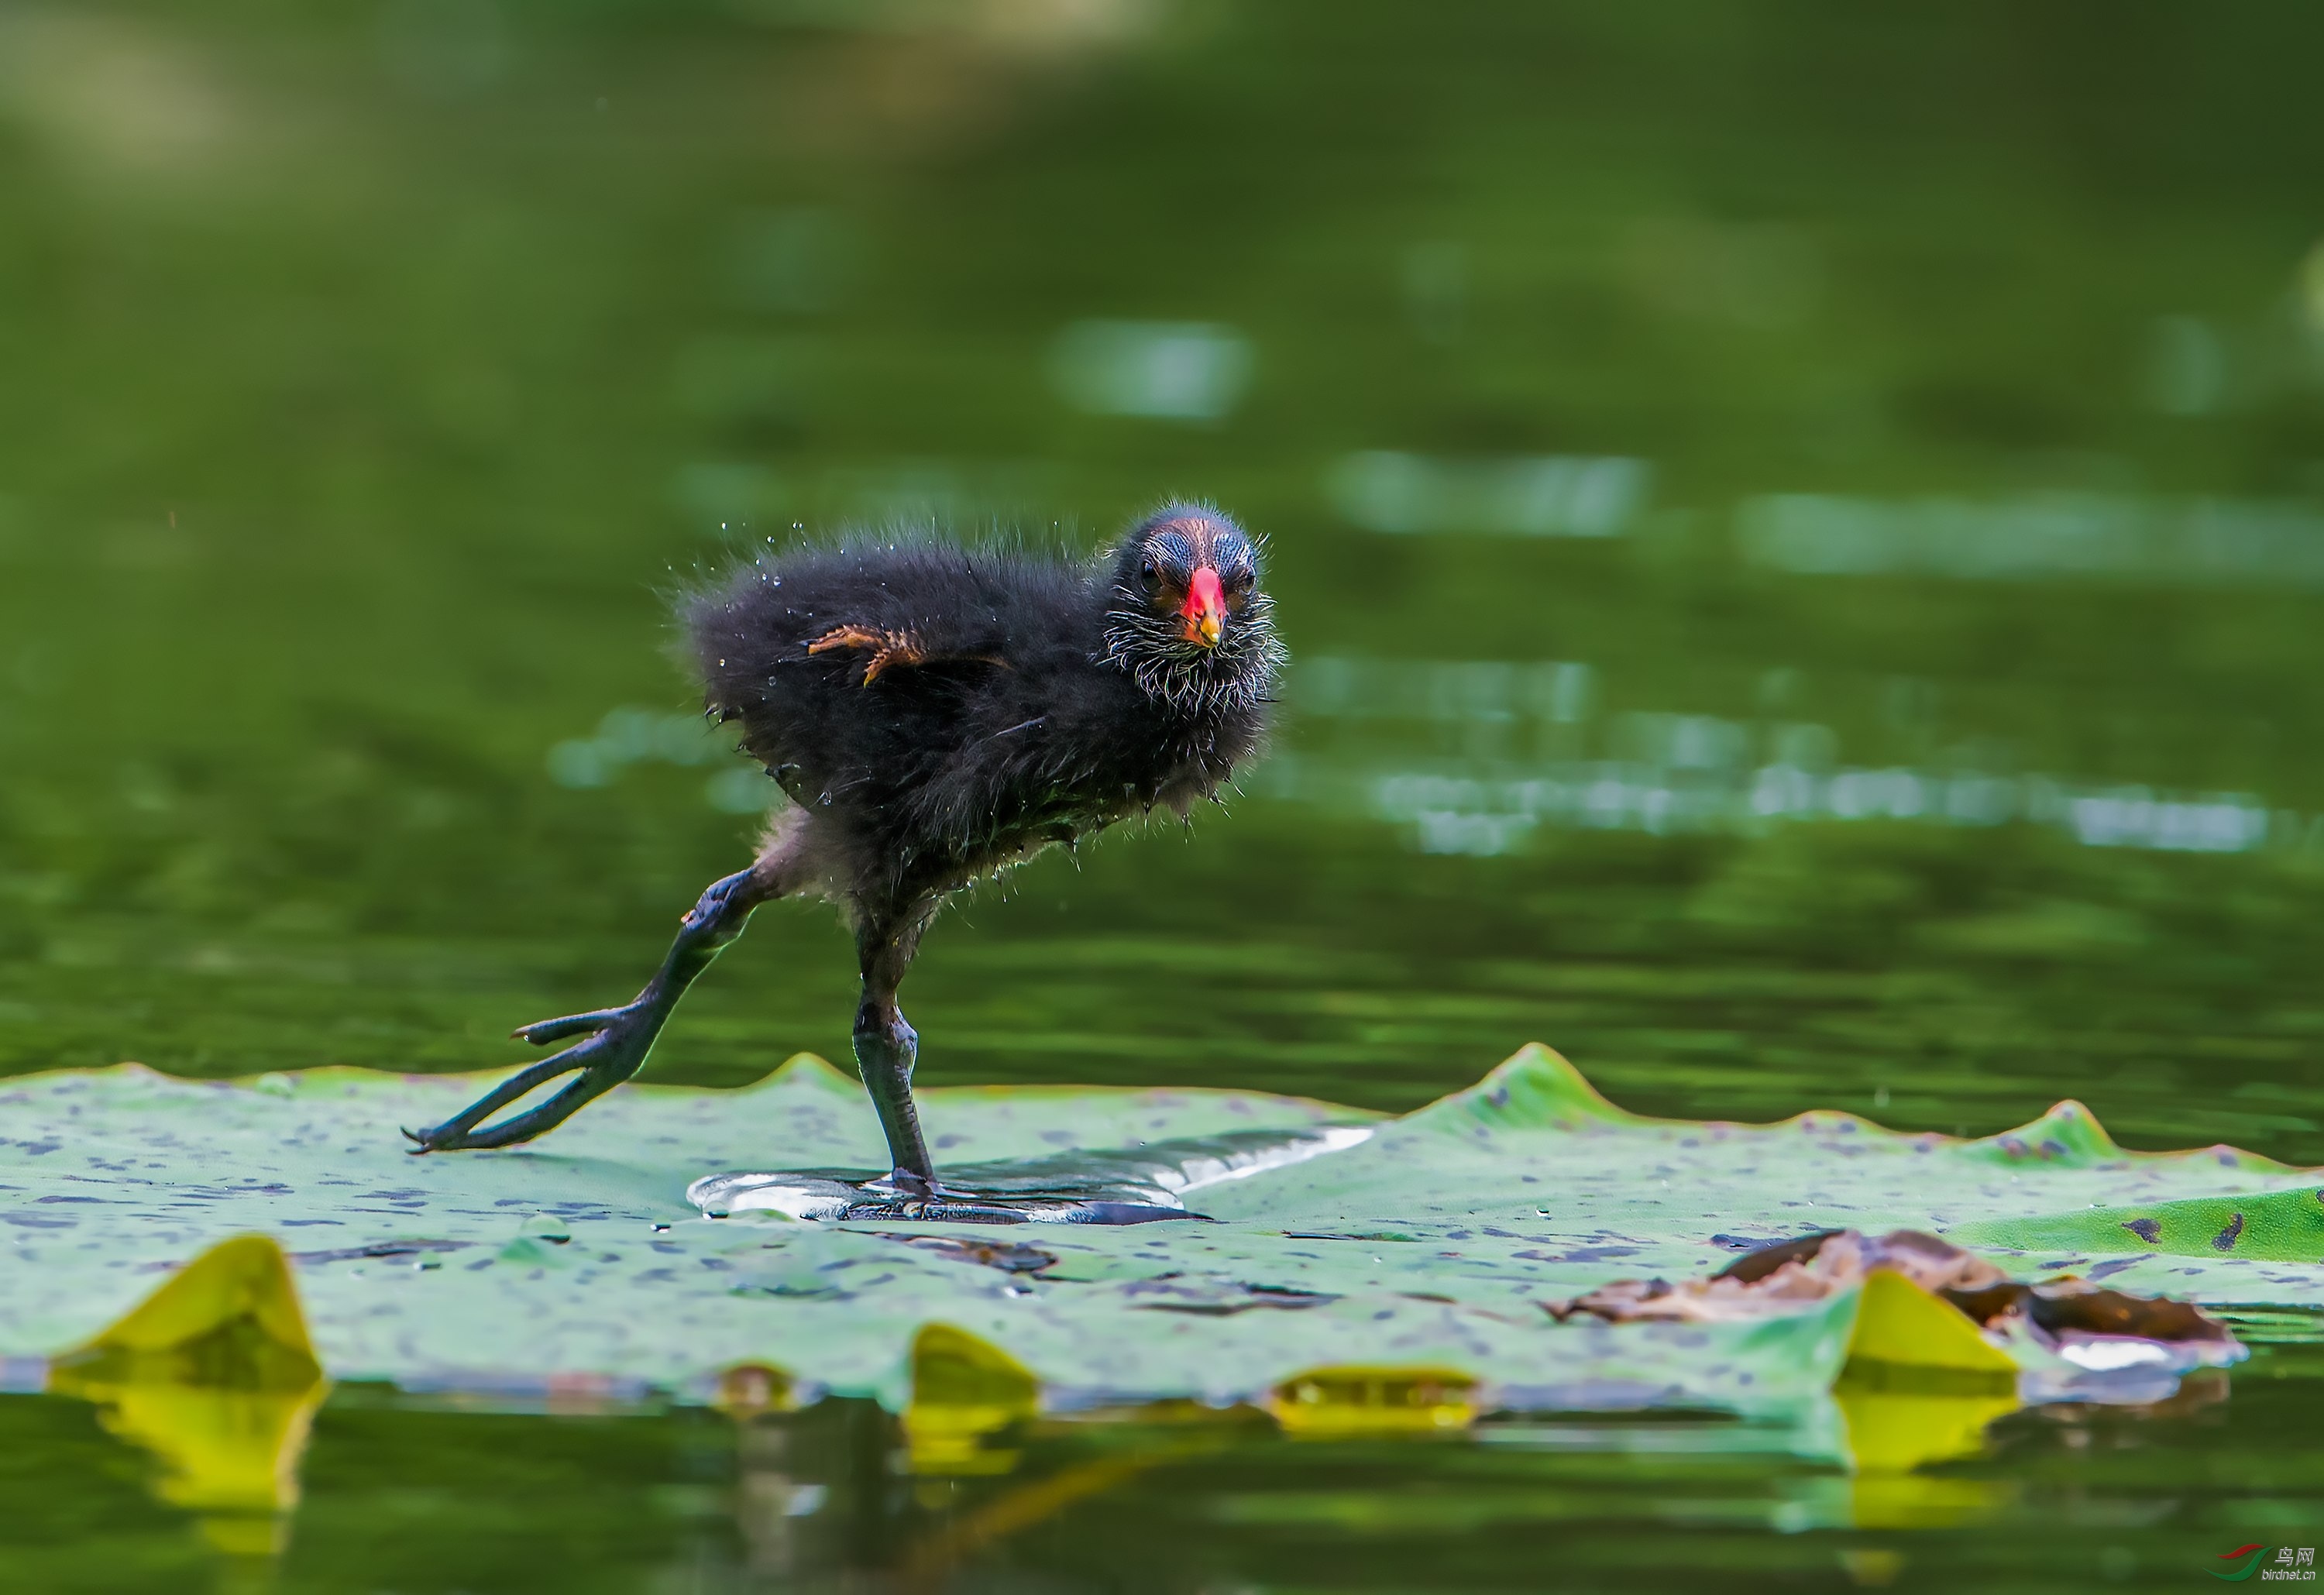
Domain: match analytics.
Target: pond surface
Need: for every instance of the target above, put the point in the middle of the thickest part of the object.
(1801, 536)
(412, 1496)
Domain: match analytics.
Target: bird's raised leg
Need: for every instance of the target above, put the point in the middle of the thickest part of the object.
(618, 1038)
(888, 648)
(886, 1048)
(891, 649)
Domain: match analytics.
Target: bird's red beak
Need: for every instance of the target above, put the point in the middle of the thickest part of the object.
(1205, 613)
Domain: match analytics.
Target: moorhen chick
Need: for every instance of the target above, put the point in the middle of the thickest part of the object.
(936, 711)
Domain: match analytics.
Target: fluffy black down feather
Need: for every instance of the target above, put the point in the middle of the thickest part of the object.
(1023, 723)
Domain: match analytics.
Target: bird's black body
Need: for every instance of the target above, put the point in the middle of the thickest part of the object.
(1016, 730)
(937, 711)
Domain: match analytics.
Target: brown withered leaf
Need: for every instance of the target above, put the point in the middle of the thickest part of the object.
(1786, 1277)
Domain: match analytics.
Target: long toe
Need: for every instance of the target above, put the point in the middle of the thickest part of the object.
(541, 1032)
(444, 1138)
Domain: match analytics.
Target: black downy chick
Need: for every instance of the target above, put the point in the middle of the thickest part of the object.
(936, 711)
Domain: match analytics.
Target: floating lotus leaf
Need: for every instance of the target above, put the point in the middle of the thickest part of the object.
(1338, 1240)
(2277, 1227)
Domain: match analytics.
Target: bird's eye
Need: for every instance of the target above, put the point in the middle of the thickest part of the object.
(1150, 572)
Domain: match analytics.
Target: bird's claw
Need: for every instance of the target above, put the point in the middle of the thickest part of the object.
(912, 1196)
(612, 1047)
(888, 647)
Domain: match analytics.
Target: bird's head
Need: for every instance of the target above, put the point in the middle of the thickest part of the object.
(1186, 613)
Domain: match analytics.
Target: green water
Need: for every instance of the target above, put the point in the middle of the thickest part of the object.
(1803, 536)
(433, 1498)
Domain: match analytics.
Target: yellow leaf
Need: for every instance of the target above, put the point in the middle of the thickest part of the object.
(228, 1319)
(964, 1391)
(214, 1374)
(1338, 1401)
(1899, 1322)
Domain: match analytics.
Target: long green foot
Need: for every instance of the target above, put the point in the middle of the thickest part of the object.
(619, 1039)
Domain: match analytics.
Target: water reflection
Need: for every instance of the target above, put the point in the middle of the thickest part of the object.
(1461, 813)
(1511, 743)
(1160, 1499)
(757, 1493)
(1166, 371)
(1542, 496)
(2233, 542)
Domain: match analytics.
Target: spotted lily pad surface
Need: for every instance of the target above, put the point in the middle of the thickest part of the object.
(1334, 1238)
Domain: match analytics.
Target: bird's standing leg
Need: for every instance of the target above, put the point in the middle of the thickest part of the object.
(886, 1047)
(618, 1038)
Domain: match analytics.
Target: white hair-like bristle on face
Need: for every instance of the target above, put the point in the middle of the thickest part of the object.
(1236, 673)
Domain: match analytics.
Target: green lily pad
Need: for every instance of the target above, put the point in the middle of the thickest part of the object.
(1337, 1239)
(2281, 1226)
